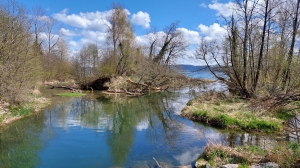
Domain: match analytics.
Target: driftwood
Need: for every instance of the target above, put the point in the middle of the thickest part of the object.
(123, 91)
(143, 85)
(156, 162)
(64, 87)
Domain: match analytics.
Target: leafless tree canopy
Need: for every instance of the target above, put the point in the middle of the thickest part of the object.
(260, 54)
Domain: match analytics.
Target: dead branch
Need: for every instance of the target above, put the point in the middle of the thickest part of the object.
(64, 87)
(156, 162)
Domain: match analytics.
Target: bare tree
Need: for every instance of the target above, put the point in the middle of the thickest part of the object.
(169, 47)
(120, 35)
(19, 65)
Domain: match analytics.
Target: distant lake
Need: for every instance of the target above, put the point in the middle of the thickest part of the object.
(195, 71)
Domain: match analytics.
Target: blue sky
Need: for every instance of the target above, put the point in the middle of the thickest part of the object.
(79, 19)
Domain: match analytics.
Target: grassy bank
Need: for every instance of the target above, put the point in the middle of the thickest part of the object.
(12, 112)
(222, 111)
(284, 154)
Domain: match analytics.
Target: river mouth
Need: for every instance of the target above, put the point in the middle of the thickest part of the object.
(101, 131)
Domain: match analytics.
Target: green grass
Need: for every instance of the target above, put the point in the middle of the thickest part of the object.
(21, 110)
(71, 94)
(284, 114)
(222, 120)
(233, 115)
(1, 118)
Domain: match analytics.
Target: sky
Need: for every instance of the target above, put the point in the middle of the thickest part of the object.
(83, 21)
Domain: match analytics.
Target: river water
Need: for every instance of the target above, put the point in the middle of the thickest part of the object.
(113, 131)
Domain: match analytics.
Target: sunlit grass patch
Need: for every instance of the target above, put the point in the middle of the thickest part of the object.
(231, 113)
(71, 94)
(21, 110)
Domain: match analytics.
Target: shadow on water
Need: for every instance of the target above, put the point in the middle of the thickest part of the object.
(108, 131)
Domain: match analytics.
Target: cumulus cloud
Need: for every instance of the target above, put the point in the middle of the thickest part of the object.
(44, 18)
(142, 40)
(224, 9)
(89, 20)
(192, 37)
(141, 18)
(66, 32)
(212, 32)
(73, 43)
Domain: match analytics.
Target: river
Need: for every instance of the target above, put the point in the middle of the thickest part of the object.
(113, 131)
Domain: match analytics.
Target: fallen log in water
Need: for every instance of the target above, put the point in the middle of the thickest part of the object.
(143, 85)
(64, 87)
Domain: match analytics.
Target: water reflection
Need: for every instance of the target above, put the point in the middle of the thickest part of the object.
(101, 131)
(293, 129)
(18, 146)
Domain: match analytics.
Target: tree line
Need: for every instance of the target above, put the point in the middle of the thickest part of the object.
(259, 55)
(33, 49)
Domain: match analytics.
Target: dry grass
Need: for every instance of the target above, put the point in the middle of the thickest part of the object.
(285, 154)
(11, 112)
(225, 111)
(218, 154)
(69, 83)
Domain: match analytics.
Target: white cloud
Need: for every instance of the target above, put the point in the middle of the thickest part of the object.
(89, 36)
(224, 9)
(189, 60)
(142, 40)
(90, 20)
(192, 37)
(66, 32)
(44, 18)
(73, 43)
(203, 5)
(212, 32)
(141, 18)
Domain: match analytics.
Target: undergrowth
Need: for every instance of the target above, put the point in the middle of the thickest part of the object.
(284, 153)
(21, 110)
(228, 112)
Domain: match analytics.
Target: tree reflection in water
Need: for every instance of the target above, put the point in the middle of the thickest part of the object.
(293, 129)
(20, 143)
(133, 130)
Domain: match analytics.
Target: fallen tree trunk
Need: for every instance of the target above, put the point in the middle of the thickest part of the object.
(143, 85)
(64, 87)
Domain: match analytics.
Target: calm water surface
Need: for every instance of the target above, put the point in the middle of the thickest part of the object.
(112, 131)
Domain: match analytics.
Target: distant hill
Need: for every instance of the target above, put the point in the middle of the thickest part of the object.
(194, 71)
(189, 67)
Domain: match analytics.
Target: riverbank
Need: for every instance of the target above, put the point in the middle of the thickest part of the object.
(278, 154)
(227, 112)
(12, 112)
